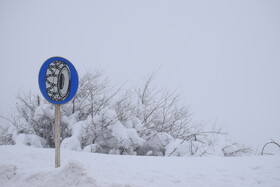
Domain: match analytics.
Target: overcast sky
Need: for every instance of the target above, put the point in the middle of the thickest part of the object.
(223, 56)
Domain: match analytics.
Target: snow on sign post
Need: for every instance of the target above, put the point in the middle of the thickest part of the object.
(58, 81)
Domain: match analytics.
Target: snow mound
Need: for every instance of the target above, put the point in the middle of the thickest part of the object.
(7, 172)
(71, 174)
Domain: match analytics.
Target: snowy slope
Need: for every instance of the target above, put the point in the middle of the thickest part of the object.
(27, 166)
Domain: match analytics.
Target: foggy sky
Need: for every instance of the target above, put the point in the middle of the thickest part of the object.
(222, 56)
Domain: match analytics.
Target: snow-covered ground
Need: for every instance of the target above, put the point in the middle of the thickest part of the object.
(27, 166)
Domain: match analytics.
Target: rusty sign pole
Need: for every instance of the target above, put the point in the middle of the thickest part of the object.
(57, 135)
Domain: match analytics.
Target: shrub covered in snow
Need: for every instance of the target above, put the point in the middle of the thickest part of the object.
(103, 119)
(6, 135)
(29, 140)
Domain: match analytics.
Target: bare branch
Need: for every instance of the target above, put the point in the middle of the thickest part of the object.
(272, 142)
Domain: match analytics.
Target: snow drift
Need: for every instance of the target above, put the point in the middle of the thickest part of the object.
(23, 166)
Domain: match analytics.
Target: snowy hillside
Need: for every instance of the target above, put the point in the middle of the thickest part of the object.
(27, 166)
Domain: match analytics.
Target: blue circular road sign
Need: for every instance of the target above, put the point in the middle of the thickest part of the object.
(58, 80)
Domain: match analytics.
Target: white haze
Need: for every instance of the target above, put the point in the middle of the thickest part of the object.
(222, 56)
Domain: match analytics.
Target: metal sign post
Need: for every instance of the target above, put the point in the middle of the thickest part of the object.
(58, 82)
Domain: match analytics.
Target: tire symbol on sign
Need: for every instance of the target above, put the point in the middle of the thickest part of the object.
(58, 80)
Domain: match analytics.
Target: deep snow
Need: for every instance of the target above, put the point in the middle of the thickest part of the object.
(28, 166)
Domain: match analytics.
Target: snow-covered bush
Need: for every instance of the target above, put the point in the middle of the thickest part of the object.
(156, 145)
(105, 119)
(236, 149)
(29, 140)
(37, 117)
(6, 135)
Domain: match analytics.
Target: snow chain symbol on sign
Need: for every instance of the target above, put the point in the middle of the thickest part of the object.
(58, 80)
